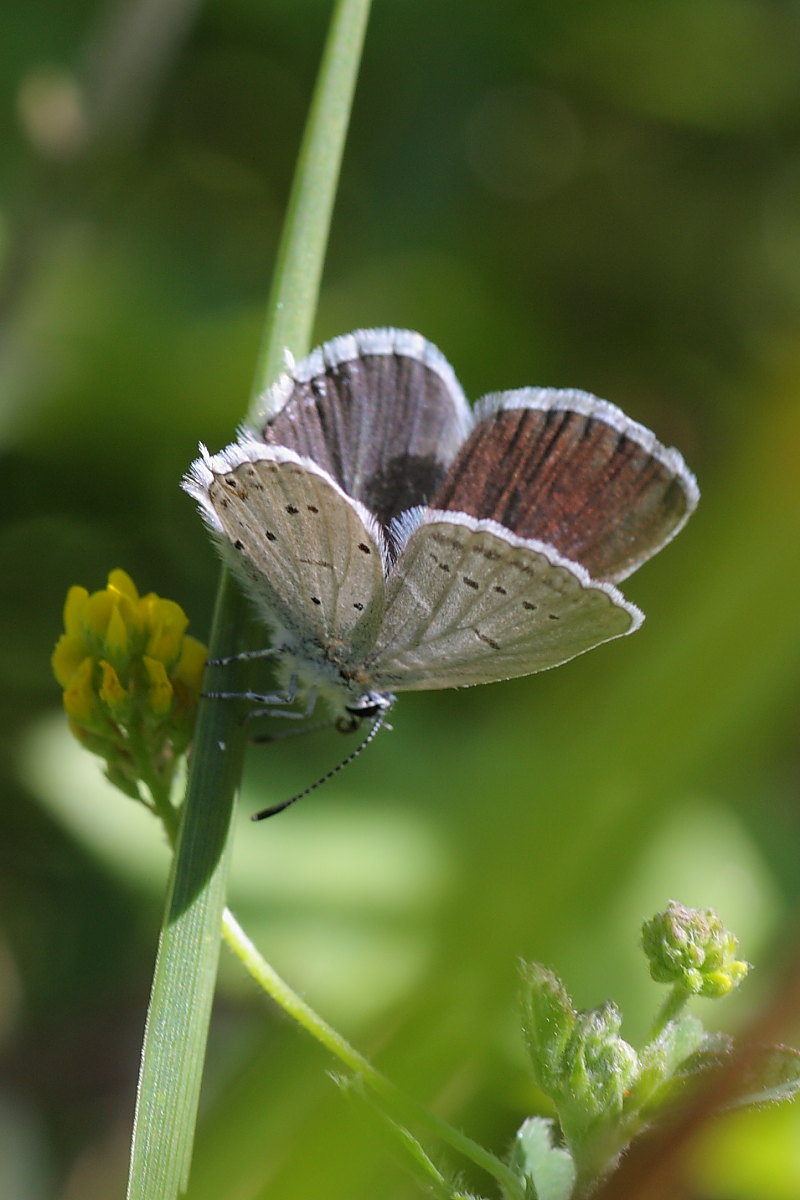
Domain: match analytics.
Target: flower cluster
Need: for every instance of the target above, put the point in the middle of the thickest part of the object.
(691, 948)
(604, 1092)
(131, 680)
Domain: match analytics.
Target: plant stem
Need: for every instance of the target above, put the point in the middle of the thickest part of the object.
(401, 1106)
(164, 809)
(183, 983)
(293, 300)
(671, 1008)
(280, 991)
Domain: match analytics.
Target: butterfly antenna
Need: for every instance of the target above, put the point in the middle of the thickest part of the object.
(274, 809)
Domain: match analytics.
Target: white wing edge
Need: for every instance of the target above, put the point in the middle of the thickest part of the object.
(408, 522)
(207, 467)
(585, 404)
(348, 346)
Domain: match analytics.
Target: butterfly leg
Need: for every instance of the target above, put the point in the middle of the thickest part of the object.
(255, 697)
(281, 735)
(267, 701)
(289, 696)
(244, 656)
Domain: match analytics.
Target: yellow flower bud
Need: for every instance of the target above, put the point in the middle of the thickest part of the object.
(68, 655)
(120, 581)
(116, 636)
(79, 699)
(74, 608)
(160, 693)
(112, 693)
(191, 665)
(97, 612)
(167, 622)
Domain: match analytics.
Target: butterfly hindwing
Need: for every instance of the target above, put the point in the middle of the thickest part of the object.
(467, 603)
(568, 469)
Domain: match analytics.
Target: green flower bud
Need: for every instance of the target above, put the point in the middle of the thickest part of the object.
(599, 1064)
(690, 947)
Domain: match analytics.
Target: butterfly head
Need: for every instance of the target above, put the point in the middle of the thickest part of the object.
(368, 707)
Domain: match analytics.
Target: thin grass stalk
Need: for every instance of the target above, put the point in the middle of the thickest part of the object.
(176, 1032)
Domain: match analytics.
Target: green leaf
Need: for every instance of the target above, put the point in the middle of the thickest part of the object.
(660, 1058)
(772, 1079)
(682, 1053)
(711, 1053)
(548, 1168)
(183, 983)
(548, 1020)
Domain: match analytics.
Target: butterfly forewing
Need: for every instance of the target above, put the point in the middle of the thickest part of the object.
(380, 410)
(574, 472)
(469, 603)
(309, 555)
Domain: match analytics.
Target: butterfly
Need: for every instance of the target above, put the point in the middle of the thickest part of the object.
(393, 539)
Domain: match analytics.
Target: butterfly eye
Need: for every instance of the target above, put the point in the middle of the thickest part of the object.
(348, 724)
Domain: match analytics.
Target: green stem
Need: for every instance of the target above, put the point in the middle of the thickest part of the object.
(293, 300)
(188, 951)
(672, 1007)
(432, 1179)
(183, 983)
(164, 809)
(402, 1107)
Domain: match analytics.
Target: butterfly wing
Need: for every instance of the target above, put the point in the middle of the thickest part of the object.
(309, 556)
(573, 471)
(468, 602)
(380, 410)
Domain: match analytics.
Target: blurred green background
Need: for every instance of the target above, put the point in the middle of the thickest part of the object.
(596, 194)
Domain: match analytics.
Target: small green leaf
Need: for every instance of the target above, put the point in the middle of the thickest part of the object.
(680, 1040)
(712, 1052)
(706, 1051)
(548, 1020)
(548, 1168)
(660, 1058)
(773, 1078)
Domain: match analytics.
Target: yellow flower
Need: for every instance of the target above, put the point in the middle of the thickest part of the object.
(131, 678)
